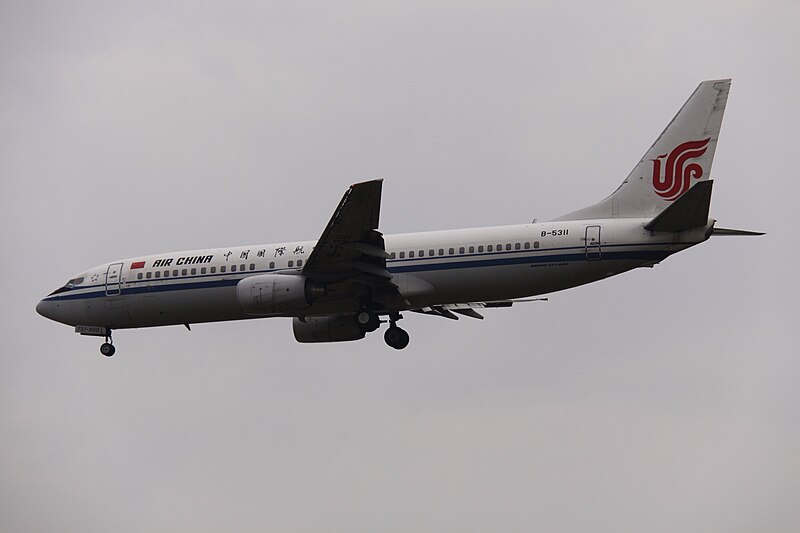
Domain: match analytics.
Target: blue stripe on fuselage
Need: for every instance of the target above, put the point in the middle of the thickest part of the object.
(396, 266)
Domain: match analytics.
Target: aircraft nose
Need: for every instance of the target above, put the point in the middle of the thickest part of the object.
(46, 309)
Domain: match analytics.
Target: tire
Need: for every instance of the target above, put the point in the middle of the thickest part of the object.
(107, 349)
(396, 337)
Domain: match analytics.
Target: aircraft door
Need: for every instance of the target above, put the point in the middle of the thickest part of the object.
(593, 249)
(113, 279)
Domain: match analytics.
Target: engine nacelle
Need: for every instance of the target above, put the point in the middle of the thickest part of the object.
(327, 329)
(270, 294)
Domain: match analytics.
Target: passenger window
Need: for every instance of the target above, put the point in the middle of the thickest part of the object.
(527, 246)
(241, 268)
(391, 255)
(183, 272)
(252, 266)
(158, 273)
(508, 246)
(499, 247)
(517, 246)
(291, 263)
(213, 270)
(441, 251)
(430, 253)
(139, 276)
(402, 255)
(149, 275)
(272, 264)
(461, 250)
(480, 249)
(451, 251)
(490, 248)
(535, 244)
(299, 262)
(174, 273)
(233, 268)
(411, 253)
(166, 273)
(223, 268)
(422, 253)
(203, 270)
(472, 249)
(194, 271)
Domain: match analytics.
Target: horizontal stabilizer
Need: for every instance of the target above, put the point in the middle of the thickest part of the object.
(687, 212)
(736, 232)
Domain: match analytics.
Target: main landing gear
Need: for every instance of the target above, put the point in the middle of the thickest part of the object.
(369, 321)
(107, 348)
(395, 337)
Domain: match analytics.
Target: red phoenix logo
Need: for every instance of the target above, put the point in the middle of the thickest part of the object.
(677, 174)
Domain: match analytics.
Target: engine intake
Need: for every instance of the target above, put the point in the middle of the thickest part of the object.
(270, 294)
(327, 329)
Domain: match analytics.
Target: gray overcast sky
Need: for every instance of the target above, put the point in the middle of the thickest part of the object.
(662, 400)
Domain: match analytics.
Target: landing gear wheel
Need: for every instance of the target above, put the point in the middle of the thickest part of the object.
(107, 349)
(367, 320)
(396, 337)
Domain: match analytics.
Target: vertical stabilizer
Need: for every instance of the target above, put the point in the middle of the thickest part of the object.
(679, 158)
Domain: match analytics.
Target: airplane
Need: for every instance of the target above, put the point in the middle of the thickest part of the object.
(353, 278)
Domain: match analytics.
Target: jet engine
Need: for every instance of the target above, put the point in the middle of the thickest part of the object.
(269, 294)
(327, 329)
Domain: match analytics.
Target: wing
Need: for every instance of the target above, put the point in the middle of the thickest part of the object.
(351, 249)
(468, 309)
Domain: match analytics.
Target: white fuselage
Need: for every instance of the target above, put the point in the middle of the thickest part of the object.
(431, 268)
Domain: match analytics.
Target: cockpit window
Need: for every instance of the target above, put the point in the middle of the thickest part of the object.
(74, 282)
(71, 284)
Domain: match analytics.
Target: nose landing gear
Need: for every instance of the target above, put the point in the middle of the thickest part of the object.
(107, 348)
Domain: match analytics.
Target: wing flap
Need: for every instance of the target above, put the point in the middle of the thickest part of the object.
(468, 308)
(368, 268)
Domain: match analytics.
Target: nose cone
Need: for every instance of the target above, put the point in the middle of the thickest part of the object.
(46, 309)
(52, 310)
(58, 310)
